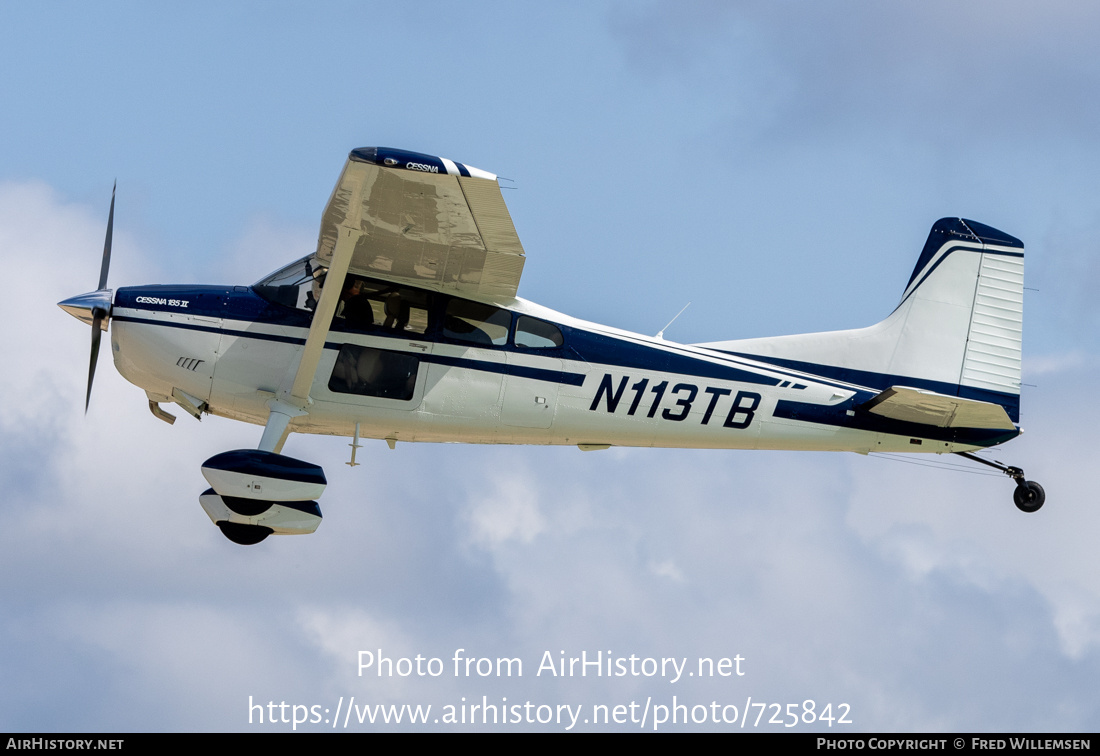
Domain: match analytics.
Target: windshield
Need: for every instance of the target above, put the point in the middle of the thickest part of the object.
(297, 285)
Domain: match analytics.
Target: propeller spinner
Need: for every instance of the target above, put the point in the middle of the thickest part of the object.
(94, 308)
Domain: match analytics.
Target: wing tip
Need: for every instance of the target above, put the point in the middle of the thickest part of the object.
(391, 157)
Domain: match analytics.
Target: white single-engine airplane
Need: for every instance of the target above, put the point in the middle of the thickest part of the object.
(404, 325)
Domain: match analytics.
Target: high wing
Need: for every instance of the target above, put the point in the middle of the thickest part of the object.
(425, 221)
(410, 218)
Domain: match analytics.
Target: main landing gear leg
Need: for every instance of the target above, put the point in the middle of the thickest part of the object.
(1029, 495)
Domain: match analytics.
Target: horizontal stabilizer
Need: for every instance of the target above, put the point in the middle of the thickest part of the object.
(929, 408)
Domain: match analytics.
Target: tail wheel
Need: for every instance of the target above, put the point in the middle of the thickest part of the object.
(1029, 496)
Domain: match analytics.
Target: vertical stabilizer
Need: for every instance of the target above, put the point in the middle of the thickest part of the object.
(956, 331)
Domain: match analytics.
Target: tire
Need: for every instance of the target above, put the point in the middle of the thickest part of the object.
(246, 507)
(1029, 496)
(244, 535)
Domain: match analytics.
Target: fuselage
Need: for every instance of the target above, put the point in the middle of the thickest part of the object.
(403, 325)
(509, 372)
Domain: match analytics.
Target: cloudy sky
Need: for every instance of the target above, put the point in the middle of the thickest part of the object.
(778, 165)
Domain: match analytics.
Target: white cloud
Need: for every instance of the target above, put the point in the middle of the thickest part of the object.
(509, 511)
(964, 528)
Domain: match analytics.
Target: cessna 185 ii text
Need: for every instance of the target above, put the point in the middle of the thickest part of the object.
(404, 325)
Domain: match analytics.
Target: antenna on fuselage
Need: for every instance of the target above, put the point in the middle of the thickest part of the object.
(661, 333)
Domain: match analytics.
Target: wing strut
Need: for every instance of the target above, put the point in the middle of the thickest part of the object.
(291, 402)
(322, 317)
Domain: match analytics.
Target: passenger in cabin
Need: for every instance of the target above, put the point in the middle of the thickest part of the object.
(397, 311)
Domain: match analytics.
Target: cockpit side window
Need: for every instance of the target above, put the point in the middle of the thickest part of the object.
(476, 323)
(366, 304)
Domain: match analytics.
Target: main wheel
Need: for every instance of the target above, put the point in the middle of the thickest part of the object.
(246, 507)
(245, 535)
(1029, 496)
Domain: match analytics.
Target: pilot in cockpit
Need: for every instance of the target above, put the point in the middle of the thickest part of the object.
(354, 306)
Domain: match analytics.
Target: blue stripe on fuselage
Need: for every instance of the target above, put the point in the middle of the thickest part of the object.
(837, 416)
(242, 303)
(520, 371)
(609, 351)
(233, 302)
(883, 381)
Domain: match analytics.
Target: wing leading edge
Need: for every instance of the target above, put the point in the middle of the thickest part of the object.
(423, 220)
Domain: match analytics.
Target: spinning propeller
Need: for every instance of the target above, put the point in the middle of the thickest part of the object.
(94, 307)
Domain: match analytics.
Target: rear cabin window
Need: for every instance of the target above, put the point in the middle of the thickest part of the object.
(537, 334)
(476, 323)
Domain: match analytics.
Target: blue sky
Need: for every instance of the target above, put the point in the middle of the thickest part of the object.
(778, 165)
